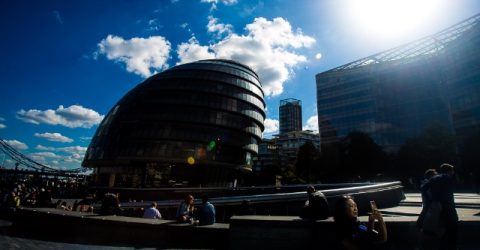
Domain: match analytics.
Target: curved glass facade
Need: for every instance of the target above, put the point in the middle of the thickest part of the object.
(396, 94)
(194, 124)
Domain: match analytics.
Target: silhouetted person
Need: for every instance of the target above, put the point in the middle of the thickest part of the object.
(441, 189)
(110, 205)
(44, 198)
(206, 212)
(316, 207)
(426, 195)
(245, 208)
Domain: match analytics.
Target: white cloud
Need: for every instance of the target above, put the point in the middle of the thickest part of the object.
(271, 126)
(215, 2)
(312, 124)
(85, 138)
(74, 155)
(1, 124)
(192, 51)
(44, 155)
(268, 47)
(37, 158)
(54, 137)
(57, 16)
(73, 159)
(18, 145)
(214, 27)
(71, 150)
(226, 2)
(73, 117)
(154, 25)
(138, 54)
(44, 148)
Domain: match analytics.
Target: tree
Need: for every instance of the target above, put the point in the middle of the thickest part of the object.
(361, 156)
(330, 162)
(471, 158)
(431, 148)
(307, 164)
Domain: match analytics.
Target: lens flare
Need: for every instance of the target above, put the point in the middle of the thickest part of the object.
(191, 160)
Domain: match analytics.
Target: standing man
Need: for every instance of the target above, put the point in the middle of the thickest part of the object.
(441, 190)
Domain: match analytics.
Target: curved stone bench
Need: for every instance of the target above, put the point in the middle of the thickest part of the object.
(87, 228)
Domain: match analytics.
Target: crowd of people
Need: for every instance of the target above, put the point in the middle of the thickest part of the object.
(39, 192)
(437, 221)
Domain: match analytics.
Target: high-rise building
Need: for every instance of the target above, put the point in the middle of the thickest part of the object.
(194, 124)
(290, 115)
(396, 94)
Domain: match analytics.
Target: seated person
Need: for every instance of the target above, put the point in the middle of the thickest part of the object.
(351, 233)
(110, 205)
(206, 212)
(185, 210)
(245, 208)
(316, 207)
(152, 212)
(13, 201)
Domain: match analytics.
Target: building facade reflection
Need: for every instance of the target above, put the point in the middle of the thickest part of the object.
(397, 94)
(196, 124)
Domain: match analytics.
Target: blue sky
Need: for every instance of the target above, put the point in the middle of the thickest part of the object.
(64, 64)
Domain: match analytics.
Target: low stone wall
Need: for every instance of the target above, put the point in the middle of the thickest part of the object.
(244, 232)
(84, 228)
(287, 232)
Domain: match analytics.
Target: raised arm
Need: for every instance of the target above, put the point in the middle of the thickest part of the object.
(382, 228)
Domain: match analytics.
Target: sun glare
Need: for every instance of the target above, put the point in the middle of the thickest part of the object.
(392, 18)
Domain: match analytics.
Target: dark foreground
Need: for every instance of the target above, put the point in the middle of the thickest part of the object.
(243, 232)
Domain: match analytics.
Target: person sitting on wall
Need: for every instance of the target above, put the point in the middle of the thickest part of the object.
(13, 201)
(206, 212)
(152, 212)
(316, 207)
(185, 210)
(245, 208)
(110, 205)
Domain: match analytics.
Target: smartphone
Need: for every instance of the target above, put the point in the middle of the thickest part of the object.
(373, 205)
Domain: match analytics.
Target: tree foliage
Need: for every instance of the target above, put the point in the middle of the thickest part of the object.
(307, 162)
(471, 154)
(362, 156)
(356, 155)
(433, 147)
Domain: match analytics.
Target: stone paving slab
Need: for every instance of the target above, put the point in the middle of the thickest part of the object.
(460, 198)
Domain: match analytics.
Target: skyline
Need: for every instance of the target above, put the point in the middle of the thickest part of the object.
(65, 65)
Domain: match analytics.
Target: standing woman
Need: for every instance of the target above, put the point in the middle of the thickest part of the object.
(353, 234)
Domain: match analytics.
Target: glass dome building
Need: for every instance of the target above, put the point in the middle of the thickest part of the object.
(196, 124)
